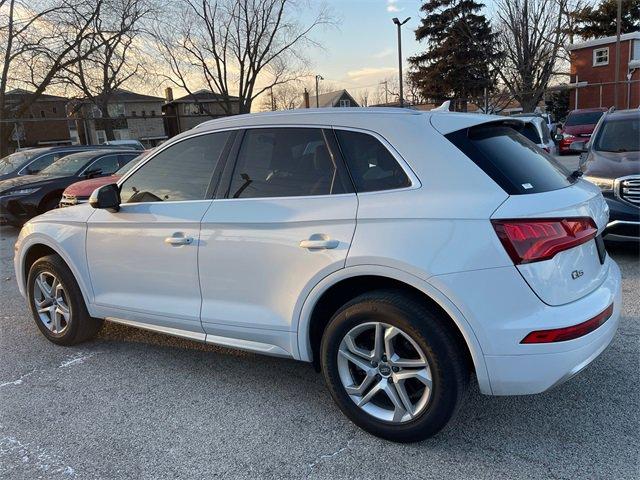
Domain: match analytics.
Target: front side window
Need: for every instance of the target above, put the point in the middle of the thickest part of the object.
(181, 172)
(601, 57)
(285, 162)
(104, 166)
(371, 165)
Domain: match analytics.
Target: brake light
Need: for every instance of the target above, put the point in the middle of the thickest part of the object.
(534, 240)
(569, 333)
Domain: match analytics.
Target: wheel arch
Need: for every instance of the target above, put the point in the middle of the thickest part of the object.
(38, 245)
(334, 290)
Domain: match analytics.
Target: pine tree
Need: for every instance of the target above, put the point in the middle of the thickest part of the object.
(461, 47)
(600, 21)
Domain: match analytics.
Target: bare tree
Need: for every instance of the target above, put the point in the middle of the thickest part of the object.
(363, 97)
(238, 48)
(286, 96)
(38, 39)
(532, 34)
(114, 57)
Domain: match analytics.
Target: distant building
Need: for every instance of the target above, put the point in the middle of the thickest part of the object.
(593, 72)
(43, 124)
(339, 98)
(131, 115)
(184, 113)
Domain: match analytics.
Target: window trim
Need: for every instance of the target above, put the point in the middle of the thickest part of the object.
(414, 182)
(214, 181)
(595, 54)
(332, 145)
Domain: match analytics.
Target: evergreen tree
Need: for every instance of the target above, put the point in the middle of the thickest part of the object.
(600, 21)
(461, 48)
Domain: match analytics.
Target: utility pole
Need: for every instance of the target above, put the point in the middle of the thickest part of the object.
(617, 73)
(399, 25)
(318, 78)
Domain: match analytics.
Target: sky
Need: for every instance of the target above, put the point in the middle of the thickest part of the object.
(363, 49)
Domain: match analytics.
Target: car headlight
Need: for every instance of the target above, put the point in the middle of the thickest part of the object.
(22, 191)
(605, 184)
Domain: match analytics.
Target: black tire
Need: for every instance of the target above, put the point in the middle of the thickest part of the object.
(447, 361)
(81, 325)
(50, 204)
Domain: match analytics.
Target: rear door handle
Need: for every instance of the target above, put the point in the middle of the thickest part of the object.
(319, 241)
(178, 239)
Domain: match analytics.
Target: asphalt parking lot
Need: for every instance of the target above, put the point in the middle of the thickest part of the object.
(133, 404)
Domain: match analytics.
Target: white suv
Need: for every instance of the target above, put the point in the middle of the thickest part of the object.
(399, 251)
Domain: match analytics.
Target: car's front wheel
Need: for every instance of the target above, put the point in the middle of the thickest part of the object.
(57, 304)
(393, 366)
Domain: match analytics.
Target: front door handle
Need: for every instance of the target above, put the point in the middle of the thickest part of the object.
(178, 239)
(319, 241)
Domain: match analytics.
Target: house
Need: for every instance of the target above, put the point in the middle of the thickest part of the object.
(339, 98)
(593, 72)
(43, 124)
(132, 116)
(184, 113)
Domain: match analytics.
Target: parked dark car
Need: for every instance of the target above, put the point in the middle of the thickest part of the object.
(578, 126)
(32, 161)
(611, 160)
(26, 196)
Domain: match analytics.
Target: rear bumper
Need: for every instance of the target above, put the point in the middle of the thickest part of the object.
(530, 373)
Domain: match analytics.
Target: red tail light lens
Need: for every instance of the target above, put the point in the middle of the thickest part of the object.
(535, 240)
(569, 333)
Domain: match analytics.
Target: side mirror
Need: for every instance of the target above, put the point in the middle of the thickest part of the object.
(107, 197)
(558, 137)
(578, 146)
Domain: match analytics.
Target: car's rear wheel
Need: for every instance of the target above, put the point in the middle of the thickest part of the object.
(57, 304)
(393, 366)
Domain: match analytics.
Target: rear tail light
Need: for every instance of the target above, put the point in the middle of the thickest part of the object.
(569, 333)
(534, 240)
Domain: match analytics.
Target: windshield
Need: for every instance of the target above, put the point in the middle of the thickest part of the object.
(14, 161)
(68, 165)
(586, 118)
(620, 135)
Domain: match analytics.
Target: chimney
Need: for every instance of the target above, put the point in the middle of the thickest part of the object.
(306, 98)
(168, 94)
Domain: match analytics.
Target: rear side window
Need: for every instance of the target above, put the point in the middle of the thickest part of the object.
(511, 160)
(371, 165)
(531, 132)
(286, 162)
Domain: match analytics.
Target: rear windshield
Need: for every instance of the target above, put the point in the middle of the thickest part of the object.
(587, 118)
(511, 160)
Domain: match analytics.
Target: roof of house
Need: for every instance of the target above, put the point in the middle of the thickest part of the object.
(201, 96)
(127, 96)
(44, 97)
(329, 99)
(603, 41)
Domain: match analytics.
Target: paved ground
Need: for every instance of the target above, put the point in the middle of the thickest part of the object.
(139, 405)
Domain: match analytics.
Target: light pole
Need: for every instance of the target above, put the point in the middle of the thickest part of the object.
(318, 78)
(399, 24)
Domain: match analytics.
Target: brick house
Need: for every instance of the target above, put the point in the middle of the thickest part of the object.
(133, 116)
(593, 72)
(184, 113)
(43, 124)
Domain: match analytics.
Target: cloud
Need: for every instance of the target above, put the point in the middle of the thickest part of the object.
(392, 6)
(383, 53)
(368, 72)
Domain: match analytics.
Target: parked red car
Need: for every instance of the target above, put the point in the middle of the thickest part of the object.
(80, 192)
(579, 126)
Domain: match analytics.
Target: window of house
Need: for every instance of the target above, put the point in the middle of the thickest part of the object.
(116, 109)
(134, 113)
(371, 165)
(285, 162)
(345, 103)
(601, 57)
(635, 53)
(42, 114)
(54, 109)
(101, 136)
(181, 172)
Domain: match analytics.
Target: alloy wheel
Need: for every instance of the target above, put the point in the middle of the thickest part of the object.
(384, 372)
(51, 302)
